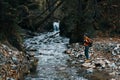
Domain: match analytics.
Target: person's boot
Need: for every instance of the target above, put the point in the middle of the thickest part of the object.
(87, 60)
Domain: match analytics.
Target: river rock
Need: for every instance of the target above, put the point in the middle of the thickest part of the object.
(15, 60)
(32, 48)
(112, 65)
(118, 56)
(14, 67)
(8, 78)
(90, 70)
(112, 79)
(12, 63)
(107, 61)
(31, 54)
(100, 63)
(81, 61)
(68, 51)
(113, 53)
(112, 73)
(88, 65)
(116, 50)
(119, 67)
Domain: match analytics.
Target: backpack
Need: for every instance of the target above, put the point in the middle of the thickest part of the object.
(90, 43)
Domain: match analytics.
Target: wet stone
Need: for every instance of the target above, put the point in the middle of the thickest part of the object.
(113, 66)
(100, 63)
(86, 65)
(107, 61)
(13, 67)
(10, 78)
(112, 79)
(112, 73)
(81, 61)
(33, 49)
(15, 60)
(90, 70)
(68, 51)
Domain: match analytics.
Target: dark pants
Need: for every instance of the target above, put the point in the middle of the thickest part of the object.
(86, 52)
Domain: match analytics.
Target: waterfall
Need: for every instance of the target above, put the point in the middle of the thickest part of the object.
(56, 26)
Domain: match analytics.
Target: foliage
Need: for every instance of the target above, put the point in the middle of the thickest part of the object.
(90, 16)
(12, 12)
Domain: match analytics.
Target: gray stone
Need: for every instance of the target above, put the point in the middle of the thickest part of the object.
(116, 50)
(90, 70)
(15, 60)
(100, 63)
(118, 56)
(112, 73)
(112, 79)
(88, 65)
(107, 61)
(118, 67)
(113, 53)
(112, 65)
(81, 61)
(13, 67)
(68, 51)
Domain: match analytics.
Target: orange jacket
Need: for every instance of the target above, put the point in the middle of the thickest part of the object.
(86, 41)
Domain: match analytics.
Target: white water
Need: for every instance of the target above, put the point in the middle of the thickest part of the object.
(56, 26)
(52, 63)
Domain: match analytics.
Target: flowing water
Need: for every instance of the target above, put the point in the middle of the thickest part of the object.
(53, 63)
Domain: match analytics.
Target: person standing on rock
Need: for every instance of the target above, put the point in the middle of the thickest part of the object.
(87, 44)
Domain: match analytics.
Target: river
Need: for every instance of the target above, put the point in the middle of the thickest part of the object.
(53, 63)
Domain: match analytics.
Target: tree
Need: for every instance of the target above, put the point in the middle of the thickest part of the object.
(89, 16)
(9, 18)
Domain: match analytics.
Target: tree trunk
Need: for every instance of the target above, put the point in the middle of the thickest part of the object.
(48, 16)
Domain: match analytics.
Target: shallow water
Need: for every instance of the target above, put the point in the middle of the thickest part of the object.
(53, 63)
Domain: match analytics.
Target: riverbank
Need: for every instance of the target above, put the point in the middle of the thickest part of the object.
(105, 59)
(15, 64)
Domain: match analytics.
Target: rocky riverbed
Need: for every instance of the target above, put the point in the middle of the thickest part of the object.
(105, 59)
(62, 61)
(15, 64)
(57, 59)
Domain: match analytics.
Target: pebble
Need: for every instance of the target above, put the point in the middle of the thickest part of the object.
(113, 66)
(112, 79)
(81, 61)
(107, 61)
(90, 70)
(86, 65)
(112, 73)
(68, 51)
(118, 56)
